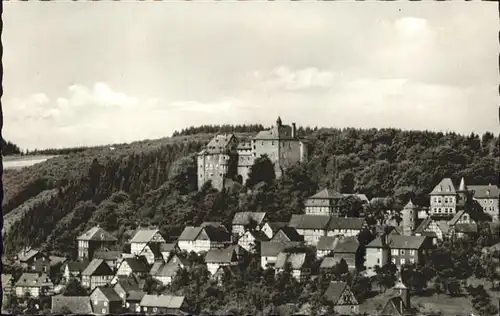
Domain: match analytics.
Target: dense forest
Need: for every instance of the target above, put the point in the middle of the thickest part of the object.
(154, 182)
(9, 148)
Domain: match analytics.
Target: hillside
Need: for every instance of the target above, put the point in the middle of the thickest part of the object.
(153, 182)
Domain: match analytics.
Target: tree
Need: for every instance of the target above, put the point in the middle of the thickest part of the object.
(361, 287)
(74, 288)
(262, 170)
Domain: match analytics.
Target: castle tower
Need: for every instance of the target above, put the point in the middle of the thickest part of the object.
(403, 293)
(279, 122)
(409, 216)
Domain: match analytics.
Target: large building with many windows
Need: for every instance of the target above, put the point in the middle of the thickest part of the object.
(225, 158)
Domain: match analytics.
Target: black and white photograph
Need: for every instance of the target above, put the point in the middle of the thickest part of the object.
(251, 158)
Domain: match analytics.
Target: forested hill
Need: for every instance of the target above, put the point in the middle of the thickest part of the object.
(154, 182)
(9, 148)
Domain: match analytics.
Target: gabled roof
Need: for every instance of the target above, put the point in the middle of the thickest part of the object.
(258, 235)
(423, 225)
(316, 222)
(78, 266)
(409, 205)
(108, 255)
(328, 262)
(226, 255)
(275, 226)
(335, 290)
(167, 247)
(280, 132)
(444, 187)
(137, 264)
(271, 248)
(24, 255)
(290, 233)
(154, 247)
(6, 279)
(135, 296)
(217, 233)
(75, 304)
(127, 283)
(219, 144)
(347, 245)
(109, 293)
(297, 260)
(485, 191)
(327, 193)
(97, 267)
(395, 307)
(456, 218)
(168, 301)
(54, 260)
(243, 218)
(167, 269)
(33, 280)
(362, 197)
(190, 233)
(327, 243)
(144, 235)
(97, 234)
(399, 242)
(355, 223)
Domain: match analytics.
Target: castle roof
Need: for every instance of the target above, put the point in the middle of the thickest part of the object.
(485, 191)
(444, 187)
(219, 144)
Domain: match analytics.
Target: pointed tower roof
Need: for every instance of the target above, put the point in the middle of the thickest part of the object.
(409, 205)
(278, 121)
(400, 285)
(462, 187)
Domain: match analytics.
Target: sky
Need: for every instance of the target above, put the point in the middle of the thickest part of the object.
(94, 73)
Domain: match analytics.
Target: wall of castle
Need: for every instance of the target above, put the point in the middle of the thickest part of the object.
(212, 167)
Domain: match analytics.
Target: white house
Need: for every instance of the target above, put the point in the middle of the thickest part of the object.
(202, 239)
(250, 239)
(243, 219)
(312, 227)
(143, 237)
(216, 258)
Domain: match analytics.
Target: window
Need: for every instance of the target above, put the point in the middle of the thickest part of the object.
(445, 200)
(393, 261)
(402, 261)
(104, 311)
(412, 252)
(95, 302)
(145, 309)
(412, 261)
(394, 252)
(155, 309)
(378, 261)
(402, 251)
(105, 303)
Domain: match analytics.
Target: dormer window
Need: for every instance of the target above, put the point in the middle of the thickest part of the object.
(448, 189)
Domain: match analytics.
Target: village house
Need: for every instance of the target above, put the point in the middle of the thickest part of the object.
(97, 273)
(74, 269)
(124, 285)
(287, 234)
(105, 301)
(270, 228)
(251, 240)
(200, 239)
(137, 265)
(269, 252)
(225, 272)
(112, 257)
(345, 226)
(133, 301)
(312, 227)
(144, 237)
(325, 246)
(341, 296)
(34, 285)
(398, 249)
(436, 229)
(399, 304)
(326, 202)
(327, 263)
(165, 272)
(242, 221)
(29, 259)
(158, 251)
(347, 248)
(301, 269)
(79, 305)
(93, 239)
(220, 257)
(163, 304)
(488, 197)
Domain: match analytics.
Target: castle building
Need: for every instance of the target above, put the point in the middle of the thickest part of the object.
(446, 200)
(214, 160)
(488, 197)
(225, 158)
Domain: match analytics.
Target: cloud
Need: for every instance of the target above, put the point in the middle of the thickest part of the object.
(101, 115)
(295, 80)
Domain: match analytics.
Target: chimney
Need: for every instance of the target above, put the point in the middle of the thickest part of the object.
(294, 131)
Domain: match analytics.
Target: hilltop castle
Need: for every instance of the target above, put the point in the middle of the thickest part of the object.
(225, 157)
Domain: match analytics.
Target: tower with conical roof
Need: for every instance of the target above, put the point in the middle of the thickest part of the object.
(279, 122)
(409, 216)
(403, 292)
(462, 193)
